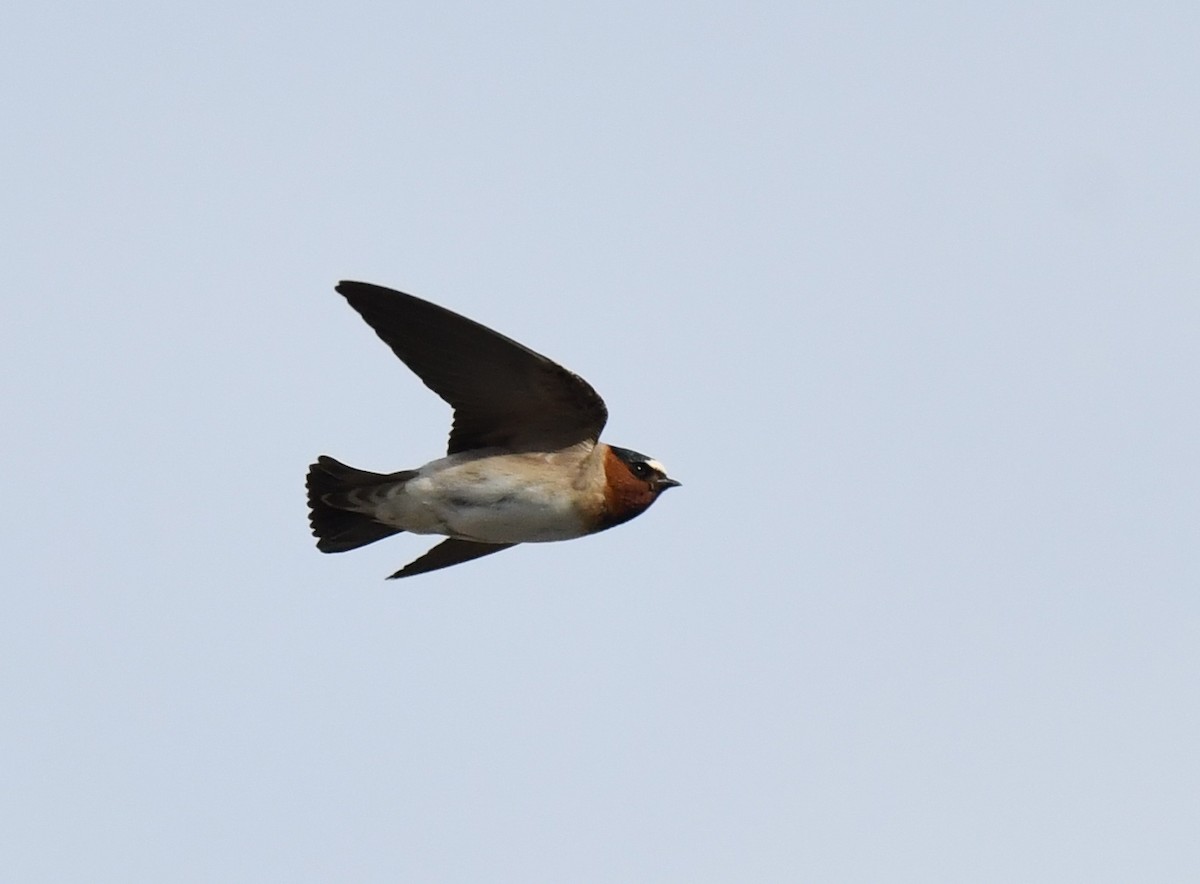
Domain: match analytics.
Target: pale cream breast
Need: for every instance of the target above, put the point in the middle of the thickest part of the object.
(501, 498)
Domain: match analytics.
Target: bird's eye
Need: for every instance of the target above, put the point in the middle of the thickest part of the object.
(641, 470)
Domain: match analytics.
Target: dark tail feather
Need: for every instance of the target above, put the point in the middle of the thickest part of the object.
(337, 529)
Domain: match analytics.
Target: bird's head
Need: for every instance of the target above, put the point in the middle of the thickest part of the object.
(634, 481)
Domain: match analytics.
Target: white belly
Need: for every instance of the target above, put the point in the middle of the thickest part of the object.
(490, 500)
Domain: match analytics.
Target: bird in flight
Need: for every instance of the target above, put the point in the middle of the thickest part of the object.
(525, 463)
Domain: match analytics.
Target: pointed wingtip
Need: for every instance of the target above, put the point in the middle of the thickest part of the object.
(447, 553)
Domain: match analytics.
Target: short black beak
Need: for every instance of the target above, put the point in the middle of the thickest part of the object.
(664, 483)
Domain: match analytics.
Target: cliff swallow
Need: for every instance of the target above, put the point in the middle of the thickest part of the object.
(524, 465)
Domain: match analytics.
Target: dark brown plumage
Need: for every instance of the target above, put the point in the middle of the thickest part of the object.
(524, 465)
(504, 395)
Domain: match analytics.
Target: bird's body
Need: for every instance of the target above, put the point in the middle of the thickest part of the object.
(494, 497)
(525, 462)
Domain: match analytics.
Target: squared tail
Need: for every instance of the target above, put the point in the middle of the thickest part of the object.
(338, 529)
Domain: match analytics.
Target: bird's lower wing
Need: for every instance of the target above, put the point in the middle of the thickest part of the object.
(447, 553)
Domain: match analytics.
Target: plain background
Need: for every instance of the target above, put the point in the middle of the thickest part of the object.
(907, 295)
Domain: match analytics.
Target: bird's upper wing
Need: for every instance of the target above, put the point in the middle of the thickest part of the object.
(504, 395)
(447, 553)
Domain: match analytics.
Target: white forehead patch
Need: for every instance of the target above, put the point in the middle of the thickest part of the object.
(655, 465)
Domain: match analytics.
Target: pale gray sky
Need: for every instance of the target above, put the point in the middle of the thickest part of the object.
(908, 296)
